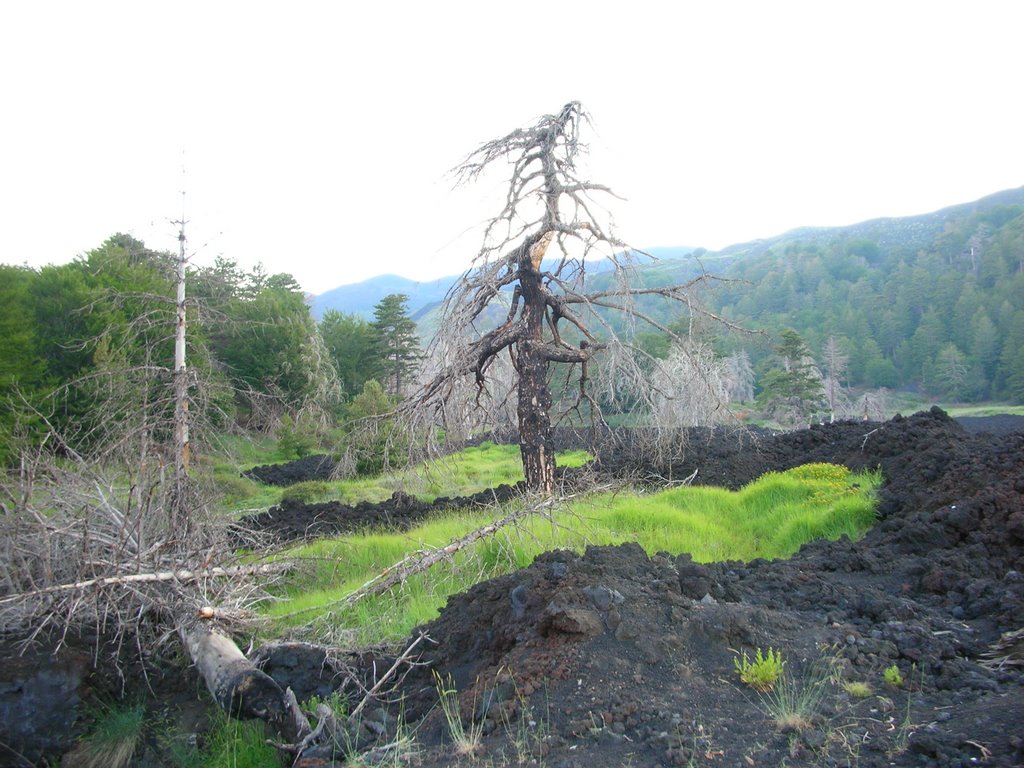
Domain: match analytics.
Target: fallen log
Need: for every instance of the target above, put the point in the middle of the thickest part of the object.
(238, 686)
(180, 575)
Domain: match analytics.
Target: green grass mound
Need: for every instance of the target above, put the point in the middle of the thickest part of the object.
(769, 518)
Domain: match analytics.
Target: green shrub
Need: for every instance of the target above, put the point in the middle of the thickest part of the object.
(763, 672)
(374, 440)
(307, 492)
(234, 488)
(296, 440)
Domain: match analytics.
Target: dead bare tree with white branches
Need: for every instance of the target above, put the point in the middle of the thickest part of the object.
(538, 247)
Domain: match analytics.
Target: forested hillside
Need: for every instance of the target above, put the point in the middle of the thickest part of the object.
(931, 303)
(934, 303)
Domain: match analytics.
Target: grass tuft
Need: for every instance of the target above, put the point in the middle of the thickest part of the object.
(794, 703)
(857, 689)
(116, 734)
(467, 741)
(234, 744)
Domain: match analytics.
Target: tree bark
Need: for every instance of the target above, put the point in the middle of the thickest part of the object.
(179, 503)
(535, 433)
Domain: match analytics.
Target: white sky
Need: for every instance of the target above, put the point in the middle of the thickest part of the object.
(317, 136)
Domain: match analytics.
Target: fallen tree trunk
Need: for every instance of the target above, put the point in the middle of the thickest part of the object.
(238, 686)
(180, 575)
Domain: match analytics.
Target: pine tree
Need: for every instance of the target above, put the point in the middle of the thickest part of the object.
(352, 343)
(397, 342)
(792, 391)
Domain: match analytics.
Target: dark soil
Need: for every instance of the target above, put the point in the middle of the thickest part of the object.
(319, 467)
(617, 658)
(292, 519)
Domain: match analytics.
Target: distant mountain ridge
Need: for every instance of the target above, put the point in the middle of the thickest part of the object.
(671, 262)
(907, 232)
(360, 298)
(424, 296)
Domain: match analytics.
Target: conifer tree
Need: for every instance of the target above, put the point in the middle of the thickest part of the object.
(793, 390)
(397, 342)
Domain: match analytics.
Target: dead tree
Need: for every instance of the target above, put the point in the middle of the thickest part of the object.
(179, 504)
(536, 252)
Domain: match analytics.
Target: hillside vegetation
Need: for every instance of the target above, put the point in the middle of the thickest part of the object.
(932, 304)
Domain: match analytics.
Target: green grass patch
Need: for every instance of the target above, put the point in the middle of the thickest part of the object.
(229, 744)
(908, 402)
(460, 474)
(985, 409)
(769, 518)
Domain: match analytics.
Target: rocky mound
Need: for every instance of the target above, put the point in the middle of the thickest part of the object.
(617, 658)
(319, 467)
(293, 519)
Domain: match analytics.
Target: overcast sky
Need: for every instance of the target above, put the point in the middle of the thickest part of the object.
(317, 137)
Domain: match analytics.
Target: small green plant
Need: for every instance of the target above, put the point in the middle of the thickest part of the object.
(857, 689)
(906, 727)
(235, 744)
(762, 673)
(467, 741)
(893, 677)
(113, 739)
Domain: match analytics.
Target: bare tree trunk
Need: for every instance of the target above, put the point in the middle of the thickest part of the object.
(535, 443)
(179, 510)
